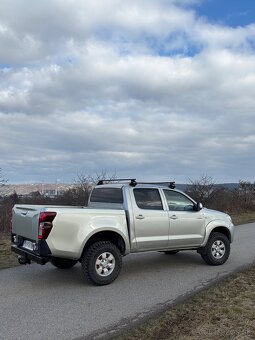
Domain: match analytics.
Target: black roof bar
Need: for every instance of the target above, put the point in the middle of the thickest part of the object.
(133, 182)
(170, 185)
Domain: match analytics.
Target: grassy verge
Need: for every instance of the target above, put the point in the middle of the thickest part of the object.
(7, 258)
(224, 311)
(243, 218)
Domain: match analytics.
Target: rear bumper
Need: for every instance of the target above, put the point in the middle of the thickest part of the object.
(30, 256)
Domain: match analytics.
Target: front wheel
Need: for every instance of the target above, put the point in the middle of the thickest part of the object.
(63, 263)
(217, 249)
(101, 263)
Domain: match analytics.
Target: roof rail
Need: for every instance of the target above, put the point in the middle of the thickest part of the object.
(133, 182)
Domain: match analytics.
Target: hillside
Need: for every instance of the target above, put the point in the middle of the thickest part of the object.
(43, 188)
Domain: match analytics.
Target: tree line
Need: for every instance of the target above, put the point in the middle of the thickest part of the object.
(236, 200)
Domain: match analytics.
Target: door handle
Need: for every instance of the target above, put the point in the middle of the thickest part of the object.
(173, 217)
(139, 217)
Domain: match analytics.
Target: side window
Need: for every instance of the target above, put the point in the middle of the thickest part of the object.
(148, 199)
(178, 202)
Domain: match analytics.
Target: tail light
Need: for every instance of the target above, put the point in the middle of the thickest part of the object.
(45, 224)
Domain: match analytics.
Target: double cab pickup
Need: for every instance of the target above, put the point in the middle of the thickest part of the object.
(121, 218)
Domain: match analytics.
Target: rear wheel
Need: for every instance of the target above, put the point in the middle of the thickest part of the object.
(63, 263)
(217, 249)
(101, 263)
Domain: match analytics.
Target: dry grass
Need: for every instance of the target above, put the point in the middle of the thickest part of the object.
(224, 311)
(243, 218)
(7, 258)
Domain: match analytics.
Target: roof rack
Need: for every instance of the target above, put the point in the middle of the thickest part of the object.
(133, 182)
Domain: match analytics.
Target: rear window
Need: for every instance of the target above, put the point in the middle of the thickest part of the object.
(107, 195)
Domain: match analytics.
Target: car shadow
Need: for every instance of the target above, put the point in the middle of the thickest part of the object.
(133, 265)
(157, 261)
(49, 275)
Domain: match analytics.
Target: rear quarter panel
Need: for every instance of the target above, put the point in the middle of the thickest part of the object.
(72, 228)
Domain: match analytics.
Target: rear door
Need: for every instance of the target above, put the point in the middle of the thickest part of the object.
(150, 219)
(187, 225)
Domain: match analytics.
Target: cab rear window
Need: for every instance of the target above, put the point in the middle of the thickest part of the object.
(107, 195)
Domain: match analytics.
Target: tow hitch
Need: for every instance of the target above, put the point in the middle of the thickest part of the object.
(23, 260)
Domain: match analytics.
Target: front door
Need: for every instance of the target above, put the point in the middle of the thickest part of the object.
(150, 219)
(187, 225)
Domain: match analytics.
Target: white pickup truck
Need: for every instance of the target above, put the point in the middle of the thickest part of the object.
(122, 218)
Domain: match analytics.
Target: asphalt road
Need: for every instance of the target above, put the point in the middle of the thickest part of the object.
(42, 302)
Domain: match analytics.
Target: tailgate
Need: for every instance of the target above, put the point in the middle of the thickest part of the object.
(25, 221)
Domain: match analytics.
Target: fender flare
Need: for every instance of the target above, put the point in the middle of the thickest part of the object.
(213, 225)
(99, 230)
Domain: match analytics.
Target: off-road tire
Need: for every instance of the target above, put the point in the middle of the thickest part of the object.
(63, 263)
(171, 252)
(207, 253)
(92, 254)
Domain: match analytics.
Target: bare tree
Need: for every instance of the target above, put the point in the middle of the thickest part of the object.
(5, 207)
(246, 193)
(86, 182)
(3, 183)
(203, 189)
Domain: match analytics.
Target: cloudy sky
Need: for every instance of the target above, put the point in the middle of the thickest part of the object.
(152, 89)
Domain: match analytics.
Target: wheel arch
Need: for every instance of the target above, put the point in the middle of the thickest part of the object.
(216, 226)
(222, 230)
(106, 235)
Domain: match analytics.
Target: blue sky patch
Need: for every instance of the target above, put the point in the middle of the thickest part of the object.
(4, 65)
(228, 12)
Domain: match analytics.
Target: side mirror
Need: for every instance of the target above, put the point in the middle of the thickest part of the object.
(199, 206)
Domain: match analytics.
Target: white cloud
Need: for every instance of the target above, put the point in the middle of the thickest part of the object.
(145, 88)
